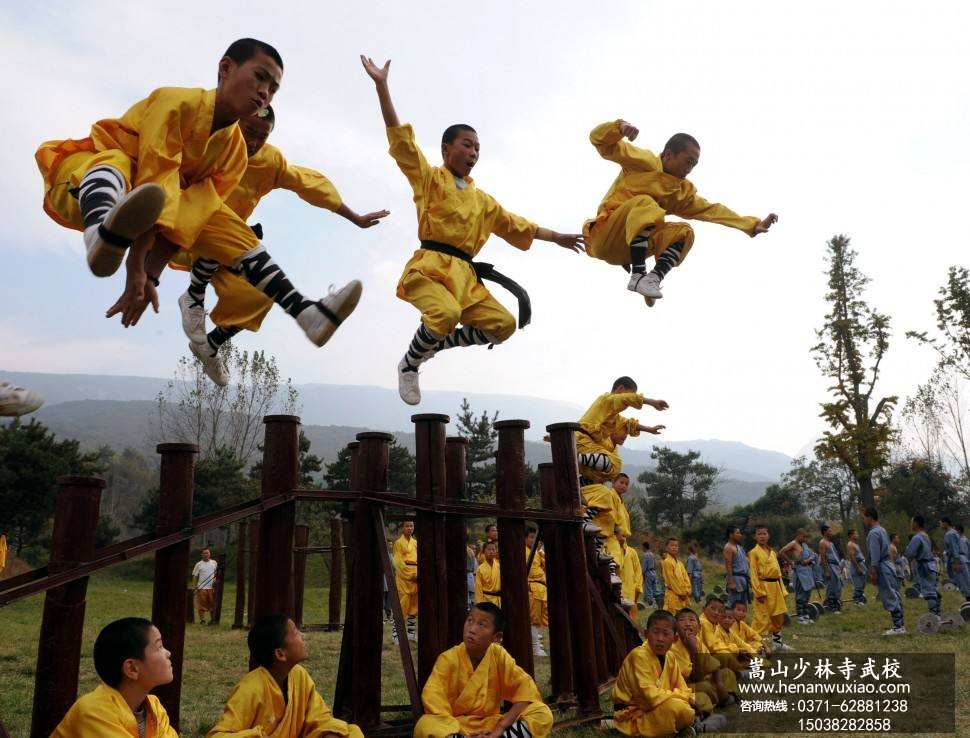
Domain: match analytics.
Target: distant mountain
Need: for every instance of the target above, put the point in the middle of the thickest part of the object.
(118, 411)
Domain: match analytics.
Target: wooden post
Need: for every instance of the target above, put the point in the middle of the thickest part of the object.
(557, 573)
(346, 668)
(237, 620)
(429, 452)
(566, 474)
(456, 542)
(59, 646)
(220, 585)
(253, 555)
(274, 561)
(510, 495)
(302, 539)
(190, 605)
(336, 564)
(172, 566)
(363, 642)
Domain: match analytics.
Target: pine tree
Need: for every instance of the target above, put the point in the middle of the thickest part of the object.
(479, 451)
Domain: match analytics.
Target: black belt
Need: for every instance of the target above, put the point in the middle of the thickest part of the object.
(489, 272)
(770, 580)
(493, 594)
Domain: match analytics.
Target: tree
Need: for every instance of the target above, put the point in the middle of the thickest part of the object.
(194, 410)
(128, 476)
(479, 451)
(824, 488)
(679, 489)
(852, 343)
(31, 459)
(778, 499)
(938, 417)
(953, 322)
(337, 474)
(915, 487)
(310, 464)
(400, 473)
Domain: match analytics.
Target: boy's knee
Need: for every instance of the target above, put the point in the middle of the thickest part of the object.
(442, 319)
(504, 328)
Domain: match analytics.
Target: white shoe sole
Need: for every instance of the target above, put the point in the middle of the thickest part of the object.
(408, 386)
(131, 216)
(643, 287)
(342, 304)
(193, 329)
(21, 403)
(212, 365)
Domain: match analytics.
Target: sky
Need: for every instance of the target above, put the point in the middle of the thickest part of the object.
(843, 118)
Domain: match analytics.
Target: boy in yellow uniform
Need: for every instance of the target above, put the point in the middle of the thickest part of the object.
(712, 683)
(629, 224)
(404, 552)
(602, 428)
(769, 592)
(488, 576)
(721, 644)
(631, 574)
(676, 581)
(650, 697)
(454, 220)
(744, 633)
(538, 604)
(183, 153)
(278, 698)
(131, 661)
(240, 305)
(469, 683)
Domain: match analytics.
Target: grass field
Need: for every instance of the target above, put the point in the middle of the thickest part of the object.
(216, 657)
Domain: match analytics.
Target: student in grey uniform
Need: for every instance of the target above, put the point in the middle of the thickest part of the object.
(649, 568)
(471, 566)
(953, 546)
(696, 574)
(881, 572)
(857, 568)
(737, 570)
(803, 558)
(831, 571)
(920, 552)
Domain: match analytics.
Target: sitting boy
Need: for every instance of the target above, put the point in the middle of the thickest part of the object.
(131, 661)
(464, 694)
(278, 698)
(703, 673)
(629, 224)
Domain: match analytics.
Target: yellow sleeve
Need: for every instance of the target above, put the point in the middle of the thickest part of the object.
(697, 208)
(239, 713)
(319, 719)
(517, 685)
(309, 185)
(164, 728)
(671, 576)
(479, 595)
(434, 696)
(757, 586)
(509, 227)
(618, 402)
(404, 150)
(397, 554)
(629, 426)
(645, 693)
(611, 145)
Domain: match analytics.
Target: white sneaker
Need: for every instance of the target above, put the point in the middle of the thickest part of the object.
(615, 580)
(212, 365)
(131, 216)
(901, 630)
(711, 724)
(780, 646)
(193, 318)
(804, 620)
(591, 529)
(317, 324)
(408, 385)
(647, 285)
(412, 636)
(16, 401)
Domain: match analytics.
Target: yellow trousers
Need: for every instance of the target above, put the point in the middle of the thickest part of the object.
(407, 592)
(674, 602)
(764, 623)
(447, 292)
(586, 445)
(610, 240)
(666, 719)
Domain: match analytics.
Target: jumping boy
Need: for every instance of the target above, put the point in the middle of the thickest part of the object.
(469, 683)
(278, 697)
(240, 305)
(183, 154)
(629, 224)
(131, 661)
(455, 219)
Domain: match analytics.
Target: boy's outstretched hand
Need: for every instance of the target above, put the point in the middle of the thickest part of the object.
(765, 224)
(370, 219)
(376, 73)
(629, 130)
(653, 429)
(573, 241)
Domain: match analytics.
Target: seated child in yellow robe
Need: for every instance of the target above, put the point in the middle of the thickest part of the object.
(131, 661)
(702, 671)
(278, 698)
(469, 683)
(744, 632)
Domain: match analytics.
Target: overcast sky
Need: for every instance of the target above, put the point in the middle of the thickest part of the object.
(840, 117)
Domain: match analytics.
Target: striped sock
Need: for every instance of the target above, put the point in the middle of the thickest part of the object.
(265, 275)
(202, 272)
(423, 347)
(668, 260)
(218, 336)
(99, 191)
(596, 461)
(465, 335)
(638, 251)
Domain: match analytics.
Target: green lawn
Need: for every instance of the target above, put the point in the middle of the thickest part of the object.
(216, 657)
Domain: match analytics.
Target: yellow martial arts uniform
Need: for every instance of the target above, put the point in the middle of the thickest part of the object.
(459, 698)
(3, 553)
(677, 583)
(103, 713)
(650, 700)
(256, 708)
(641, 196)
(241, 305)
(769, 614)
(632, 576)
(538, 600)
(720, 644)
(705, 693)
(405, 574)
(623, 517)
(166, 139)
(488, 578)
(445, 288)
(744, 633)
